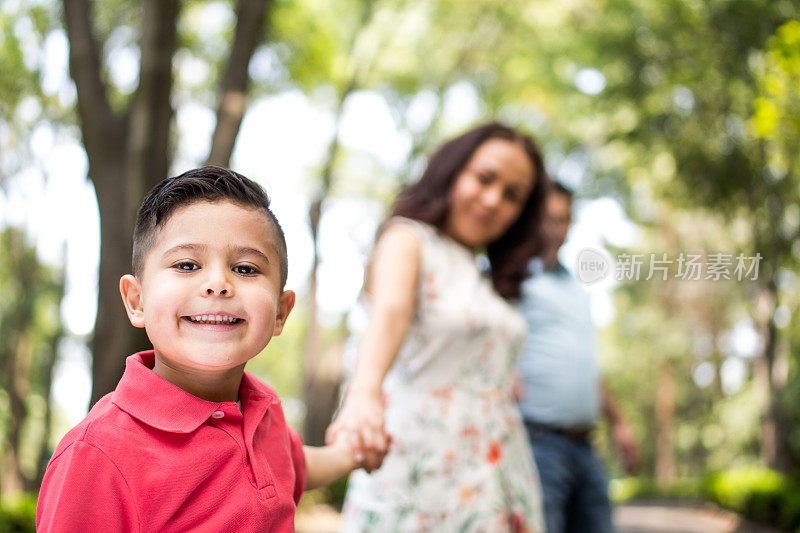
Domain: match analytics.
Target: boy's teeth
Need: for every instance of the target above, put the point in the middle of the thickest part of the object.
(214, 319)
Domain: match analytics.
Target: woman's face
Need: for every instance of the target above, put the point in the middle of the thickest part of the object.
(489, 194)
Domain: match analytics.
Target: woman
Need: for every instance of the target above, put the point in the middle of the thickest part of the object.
(435, 361)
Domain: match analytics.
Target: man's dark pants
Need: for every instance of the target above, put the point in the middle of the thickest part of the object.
(574, 486)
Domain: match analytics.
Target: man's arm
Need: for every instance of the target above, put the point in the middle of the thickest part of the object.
(620, 431)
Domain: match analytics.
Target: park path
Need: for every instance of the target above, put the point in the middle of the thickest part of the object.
(666, 517)
(637, 517)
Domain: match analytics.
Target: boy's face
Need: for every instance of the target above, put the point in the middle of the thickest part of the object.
(209, 294)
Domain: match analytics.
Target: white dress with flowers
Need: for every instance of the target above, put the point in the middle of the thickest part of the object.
(460, 459)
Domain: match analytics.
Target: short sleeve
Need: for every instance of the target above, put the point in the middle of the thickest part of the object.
(83, 490)
(299, 461)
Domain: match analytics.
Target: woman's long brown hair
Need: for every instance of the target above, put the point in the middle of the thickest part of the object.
(427, 200)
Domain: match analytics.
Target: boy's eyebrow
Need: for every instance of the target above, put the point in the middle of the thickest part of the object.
(237, 250)
(185, 246)
(243, 250)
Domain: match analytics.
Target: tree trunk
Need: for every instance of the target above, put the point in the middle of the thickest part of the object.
(665, 422)
(105, 140)
(129, 154)
(250, 30)
(319, 392)
(769, 382)
(320, 400)
(114, 337)
(121, 177)
(322, 395)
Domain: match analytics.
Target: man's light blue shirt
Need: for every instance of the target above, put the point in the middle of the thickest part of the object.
(557, 365)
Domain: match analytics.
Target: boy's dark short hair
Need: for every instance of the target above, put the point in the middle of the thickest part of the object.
(210, 184)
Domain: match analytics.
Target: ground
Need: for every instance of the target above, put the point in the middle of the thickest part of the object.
(670, 517)
(634, 517)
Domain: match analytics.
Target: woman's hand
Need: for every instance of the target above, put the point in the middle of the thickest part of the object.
(392, 279)
(361, 418)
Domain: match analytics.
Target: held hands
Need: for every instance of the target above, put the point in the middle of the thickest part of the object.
(360, 422)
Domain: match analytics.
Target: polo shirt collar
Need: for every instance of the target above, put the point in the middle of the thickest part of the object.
(148, 397)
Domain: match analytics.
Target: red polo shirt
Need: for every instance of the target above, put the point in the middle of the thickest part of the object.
(152, 457)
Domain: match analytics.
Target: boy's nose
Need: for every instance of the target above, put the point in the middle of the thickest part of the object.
(217, 283)
(210, 291)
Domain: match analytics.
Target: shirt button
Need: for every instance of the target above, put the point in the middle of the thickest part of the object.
(217, 414)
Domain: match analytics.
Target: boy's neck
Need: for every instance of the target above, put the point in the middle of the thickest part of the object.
(213, 387)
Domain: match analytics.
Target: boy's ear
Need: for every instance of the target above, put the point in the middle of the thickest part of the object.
(285, 306)
(131, 291)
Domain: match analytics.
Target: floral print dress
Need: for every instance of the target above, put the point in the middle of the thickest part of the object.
(460, 458)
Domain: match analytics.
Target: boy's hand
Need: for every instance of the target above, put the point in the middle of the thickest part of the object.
(361, 418)
(343, 445)
(348, 443)
(339, 457)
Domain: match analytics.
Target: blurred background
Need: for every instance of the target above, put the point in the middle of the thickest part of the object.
(677, 122)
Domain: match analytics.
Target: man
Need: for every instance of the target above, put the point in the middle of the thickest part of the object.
(561, 396)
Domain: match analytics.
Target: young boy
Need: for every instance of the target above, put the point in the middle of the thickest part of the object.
(188, 440)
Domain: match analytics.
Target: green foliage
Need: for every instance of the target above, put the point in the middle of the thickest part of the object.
(280, 365)
(776, 118)
(18, 513)
(17, 79)
(733, 488)
(755, 492)
(336, 492)
(30, 330)
(332, 495)
(758, 493)
(622, 490)
(311, 35)
(696, 129)
(666, 328)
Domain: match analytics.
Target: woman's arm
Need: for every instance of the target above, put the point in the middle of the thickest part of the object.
(392, 279)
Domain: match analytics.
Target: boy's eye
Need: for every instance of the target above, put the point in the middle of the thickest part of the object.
(186, 266)
(245, 269)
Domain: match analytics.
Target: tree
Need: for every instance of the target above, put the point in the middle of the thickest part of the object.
(30, 331)
(127, 140)
(776, 124)
(371, 46)
(669, 122)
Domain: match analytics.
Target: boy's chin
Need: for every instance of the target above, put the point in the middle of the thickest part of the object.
(210, 363)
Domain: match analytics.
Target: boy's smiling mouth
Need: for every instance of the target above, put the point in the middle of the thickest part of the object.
(213, 319)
